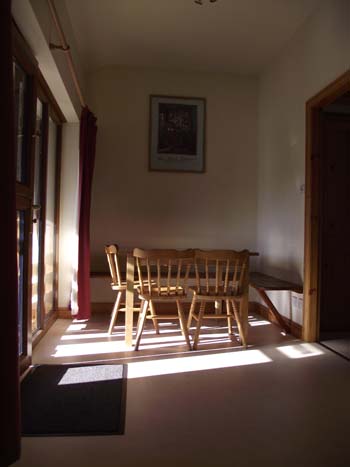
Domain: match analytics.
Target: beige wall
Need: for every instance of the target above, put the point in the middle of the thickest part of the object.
(136, 207)
(318, 54)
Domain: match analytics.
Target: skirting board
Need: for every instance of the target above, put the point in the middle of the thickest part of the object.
(295, 328)
(64, 313)
(48, 323)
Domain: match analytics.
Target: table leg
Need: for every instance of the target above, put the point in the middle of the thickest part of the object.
(218, 303)
(244, 315)
(273, 310)
(129, 312)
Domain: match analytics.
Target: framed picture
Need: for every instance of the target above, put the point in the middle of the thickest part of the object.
(177, 134)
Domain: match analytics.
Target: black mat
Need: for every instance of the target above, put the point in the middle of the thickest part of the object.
(68, 400)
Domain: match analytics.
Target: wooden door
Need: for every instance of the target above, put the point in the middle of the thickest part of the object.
(335, 225)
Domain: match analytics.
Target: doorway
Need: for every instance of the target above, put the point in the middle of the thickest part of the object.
(334, 329)
(327, 221)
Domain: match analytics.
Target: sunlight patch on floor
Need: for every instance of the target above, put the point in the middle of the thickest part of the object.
(96, 335)
(90, 348)
(259, 323)
(195, 363)
(300, 350)
(91, 374)
(76, 327)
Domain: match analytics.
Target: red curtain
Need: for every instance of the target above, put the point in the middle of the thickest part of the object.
(88, 130)
(9, 405)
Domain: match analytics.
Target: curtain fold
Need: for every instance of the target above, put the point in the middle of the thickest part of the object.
(10, 405)
(87, 147)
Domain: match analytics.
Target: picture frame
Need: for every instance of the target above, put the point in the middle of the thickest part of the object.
(177, 134)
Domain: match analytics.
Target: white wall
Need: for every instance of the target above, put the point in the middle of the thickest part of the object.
(42, 12)
(317, 55)
(135, 207)
(68, 227)
(34, 21)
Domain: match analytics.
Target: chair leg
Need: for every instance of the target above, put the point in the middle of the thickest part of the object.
(239, 324)
(140, 312)
(138, 319)
(199, 324)
(183, 326)
(141, 324)
(190, 315)
(114, 312)
(229, 317)
(153, 312)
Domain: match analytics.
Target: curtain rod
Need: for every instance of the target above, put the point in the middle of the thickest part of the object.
(65, 47)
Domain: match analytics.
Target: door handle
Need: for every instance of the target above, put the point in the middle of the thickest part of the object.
(36, 208)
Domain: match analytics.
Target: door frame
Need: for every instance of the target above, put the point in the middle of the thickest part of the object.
(313, 206)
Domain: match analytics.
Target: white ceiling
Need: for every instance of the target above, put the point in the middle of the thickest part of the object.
(239, 36)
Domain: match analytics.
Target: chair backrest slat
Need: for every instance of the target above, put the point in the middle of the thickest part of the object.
(178, 275)
(158, 276)
(234, 275)
(217, 273)
(169, 276)
(227, 269)
(187, 273)
(149, 277)
(170, 267)
(112, 253)
(206, 274)
(198, 280)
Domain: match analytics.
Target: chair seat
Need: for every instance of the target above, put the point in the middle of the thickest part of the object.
(122, 285)
(213, 294)
(163, 293)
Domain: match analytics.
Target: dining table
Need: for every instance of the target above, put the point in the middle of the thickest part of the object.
(130, 291)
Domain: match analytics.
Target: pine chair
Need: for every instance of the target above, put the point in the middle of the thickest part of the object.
(118, 284)
(221, 275)
(163, 277)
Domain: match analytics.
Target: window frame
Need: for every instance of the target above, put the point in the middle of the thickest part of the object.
(36, 88)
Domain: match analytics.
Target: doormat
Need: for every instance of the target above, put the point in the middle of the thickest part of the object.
(73, 400)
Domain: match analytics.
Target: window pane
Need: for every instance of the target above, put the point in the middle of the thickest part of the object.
(20, 94)
(37, 223)
(50, 241)
(20, 269)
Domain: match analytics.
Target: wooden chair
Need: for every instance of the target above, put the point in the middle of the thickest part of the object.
(221, 275)
(118, 284)
(163, 277)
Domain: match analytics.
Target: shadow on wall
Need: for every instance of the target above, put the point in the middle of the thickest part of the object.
(287, 269)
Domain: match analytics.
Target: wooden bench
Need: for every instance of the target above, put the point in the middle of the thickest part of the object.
(263, 283)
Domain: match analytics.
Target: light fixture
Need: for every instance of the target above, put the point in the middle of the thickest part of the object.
(200, 2)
